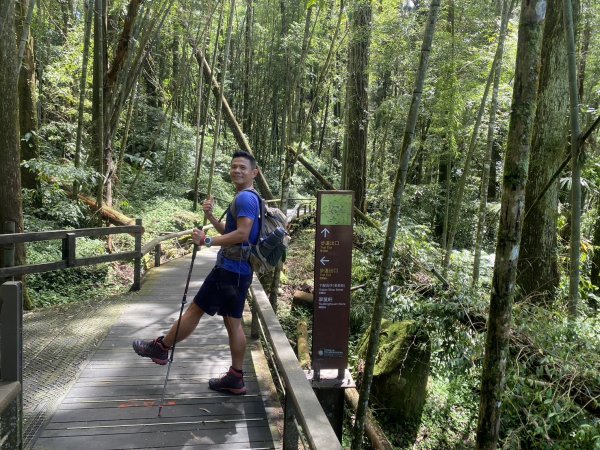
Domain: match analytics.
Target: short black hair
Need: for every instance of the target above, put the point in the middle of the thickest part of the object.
(248, 156)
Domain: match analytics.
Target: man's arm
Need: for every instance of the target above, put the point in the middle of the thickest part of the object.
(238, 236)
(208, 206)
(241, 234)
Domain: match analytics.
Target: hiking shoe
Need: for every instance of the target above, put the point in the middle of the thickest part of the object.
(156, 350)
(232, 382)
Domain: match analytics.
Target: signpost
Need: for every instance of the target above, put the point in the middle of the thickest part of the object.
(331, 310)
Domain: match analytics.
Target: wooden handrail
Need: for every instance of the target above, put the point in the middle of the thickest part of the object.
(69, 258)
(18, 238)
(301, 403)
(154, 242)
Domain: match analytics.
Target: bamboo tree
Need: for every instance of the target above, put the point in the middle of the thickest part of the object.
(392, 228)
(446, 159)
(487, 160)
(25, 33)
(203, 91)
(220, 99)
(511, 216)
(575, 161)
(89, 14)
(453, 225)
(248, 62)
(132, 105)
(98, 97)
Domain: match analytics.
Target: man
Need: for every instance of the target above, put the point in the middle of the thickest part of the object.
(225, 288)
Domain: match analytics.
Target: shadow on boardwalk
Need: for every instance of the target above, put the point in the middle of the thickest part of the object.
(113, 403)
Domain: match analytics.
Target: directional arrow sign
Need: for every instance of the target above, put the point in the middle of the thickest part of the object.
(333, 268)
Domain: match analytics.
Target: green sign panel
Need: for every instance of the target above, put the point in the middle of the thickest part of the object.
(336, 209)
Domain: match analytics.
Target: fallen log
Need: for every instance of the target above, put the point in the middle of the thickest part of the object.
(106, 212)
(378, 439)
(302, 298)
(303, 353)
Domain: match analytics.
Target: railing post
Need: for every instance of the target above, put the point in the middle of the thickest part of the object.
(290, 429)
(68, 249)
(137, 262)
(157, 252)
(254, 325)
(9, 249)
(11, 361)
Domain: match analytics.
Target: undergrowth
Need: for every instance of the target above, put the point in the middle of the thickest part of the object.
(538, 412)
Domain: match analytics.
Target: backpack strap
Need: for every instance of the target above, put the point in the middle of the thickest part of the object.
(237, 251)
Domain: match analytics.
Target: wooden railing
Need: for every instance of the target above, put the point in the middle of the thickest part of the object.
(11, 365)
(302, 409)
(69, 247)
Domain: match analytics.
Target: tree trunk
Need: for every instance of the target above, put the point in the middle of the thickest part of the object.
(28, 120)
(512, 211)
(539, 275)
(574, 263)
(11, 208)
(392, 228)
(357, 99)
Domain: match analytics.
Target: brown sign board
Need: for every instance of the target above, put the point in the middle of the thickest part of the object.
(333, 267)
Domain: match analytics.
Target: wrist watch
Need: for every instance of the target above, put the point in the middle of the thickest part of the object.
(208, 241)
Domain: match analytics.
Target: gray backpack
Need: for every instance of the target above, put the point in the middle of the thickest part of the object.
(273, 238)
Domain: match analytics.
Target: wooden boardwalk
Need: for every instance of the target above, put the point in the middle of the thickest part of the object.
(114, 403)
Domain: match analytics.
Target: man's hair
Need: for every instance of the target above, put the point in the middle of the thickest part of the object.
(248, 156)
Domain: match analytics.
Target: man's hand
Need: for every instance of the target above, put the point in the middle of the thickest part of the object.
(198, 236)
(208, 205)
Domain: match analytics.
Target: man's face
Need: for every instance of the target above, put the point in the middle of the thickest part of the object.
(242, 173)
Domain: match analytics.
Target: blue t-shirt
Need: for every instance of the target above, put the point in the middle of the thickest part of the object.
(247, 204)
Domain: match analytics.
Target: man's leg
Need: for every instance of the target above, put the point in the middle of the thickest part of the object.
(233, 380)
(189, 322)
(237, 341)
(158, 349)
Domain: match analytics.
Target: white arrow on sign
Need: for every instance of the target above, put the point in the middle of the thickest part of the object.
(325, 232)
(324, 261)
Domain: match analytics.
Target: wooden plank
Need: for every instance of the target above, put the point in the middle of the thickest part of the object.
(148, 410)
(236, 434)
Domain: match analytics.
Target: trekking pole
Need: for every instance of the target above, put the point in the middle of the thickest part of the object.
(183, 302)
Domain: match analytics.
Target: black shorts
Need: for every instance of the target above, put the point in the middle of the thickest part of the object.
(224, 293)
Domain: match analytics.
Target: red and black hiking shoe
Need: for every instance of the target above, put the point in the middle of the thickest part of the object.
(232, 382)
(156, 350)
